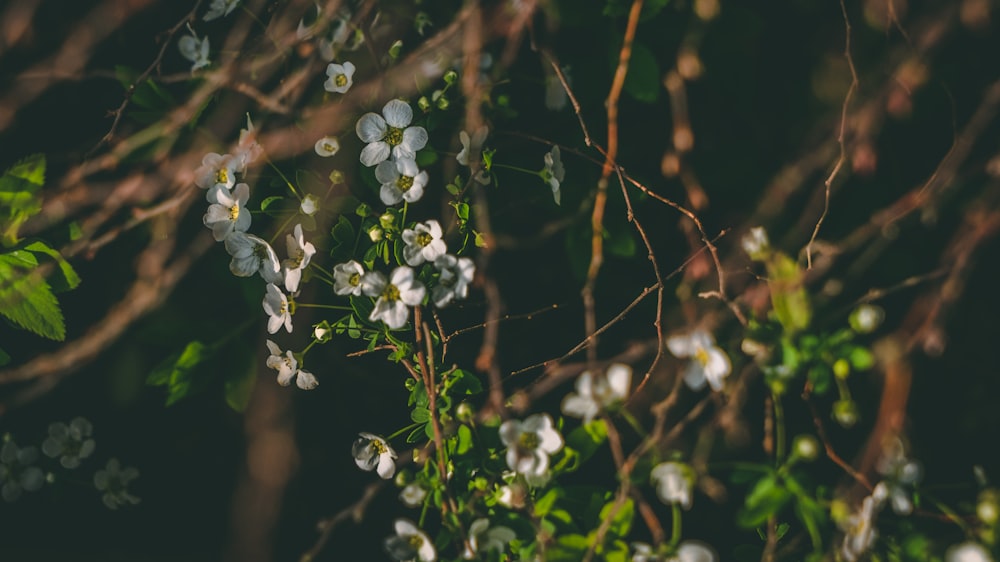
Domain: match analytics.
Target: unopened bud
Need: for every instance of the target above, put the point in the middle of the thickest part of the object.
(424, 104)
(387, 220)
(395, 49)
(806, 447)
(866, 318)
(842, 369)
(375, 233)
(756, 244)
(450, 77)
(846, 413)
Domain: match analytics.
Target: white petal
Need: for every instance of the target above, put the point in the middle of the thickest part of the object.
(619, 378)
(414, 138)
(551, 441)
(694, 376)
(390, 194)
(580, 407)
(306, 380)
(681, 345)
(386, 466)
(374, 153)
(386, 172)
(397, 113)
(371, 127)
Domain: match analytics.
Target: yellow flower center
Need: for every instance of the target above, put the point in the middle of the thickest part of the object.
(415, 541)
(379, 447)
(234, 212)
(424, 238)
(393, 136)
(329, 147)
(222, 176)
(404, 183)
(355, 280)
(340, 80)
(528, 441)
(296, 260)
(701, 356)
(391, 293)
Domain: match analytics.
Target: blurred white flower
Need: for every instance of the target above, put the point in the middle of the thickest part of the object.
(456, 275)
(859, 528)
(229, 213)
(597, 392)
(71, 443)
(674, 482)
(391, 134)
(248, 150)
(410, 543)
(18, 473)
(900, 473)
(347, 278)
(423, 243)
(194, 50)
(113, 480)
(300, 253)
(252, 255)
(755, 243)
(483, 538)
(708, 362)
(967, 552)
(371, 452)
(553, 173)
(277, 309)
(412, 495)
(341, 77)
(529, 444)
(220, 8)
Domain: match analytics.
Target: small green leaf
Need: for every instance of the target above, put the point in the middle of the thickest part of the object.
(766, 498)
(465, 441)
(175, 372)
(4, 358)
(270, 201)
(545, 503)
(621, 521)
(426, 157)
(587, 438)
(69, 278)
(240, 384)
(643, 79)
(26, 299)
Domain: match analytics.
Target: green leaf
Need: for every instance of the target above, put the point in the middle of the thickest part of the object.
(568, 548)
(26, 299)
(643, 78)
(621, 522)
(175, 372)
(30, 169)
(620, 242)
(270, 201)
(240, 384)
(586, 439)
(766, 498)
(19, 197)
(545, 503)
(465, 442)
(426, 157)
(4, 358)
(69, 279)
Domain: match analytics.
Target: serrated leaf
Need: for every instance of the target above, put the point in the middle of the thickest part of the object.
(30, 169)
(175, 372)
(26, 299)
(69, 279)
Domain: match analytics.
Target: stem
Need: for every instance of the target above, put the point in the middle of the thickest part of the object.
(779, 429)
(330, 306)
(517, 169)
(675, 525)
(410, 427)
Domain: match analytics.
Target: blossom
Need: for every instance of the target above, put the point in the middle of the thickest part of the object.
(471, 147)
(276, 307)
(708, 362)
(304, 30)
(229, 213)
(401, 180)
(413, 495)
(483, 538)
(299, 254)
(553, 172)
(114, 481)
(530, 442)
(71, 443)
(216, 169)
(393, 295)
(456, 275)
(327, 146)
(17, 471)
(756, 244)
(309, 205)
(899, 472)
(194, 50)
(673, 482)
(288, 367)
(252, 255)
(423, 243)
(967, 552)
(410, 543)
(220, 8)
(596, 392)
(371, 452)
(341, 77)
(866, 318)
(347, 278)
(390, 134)
(860, 526)
(687, 551)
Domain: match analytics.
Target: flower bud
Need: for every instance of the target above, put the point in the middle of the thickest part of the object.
(395, 49)
(450, 77)
(309, 205)
(424, 104)
(756, 244)
(806, 447)
(866, 318)
(987, 508)
(842, 369)
(846, 413)
(443, 103)
(363, 210)
(336, 177)
(387, 220)
(322, 332)
(464, 412)
(375, 234)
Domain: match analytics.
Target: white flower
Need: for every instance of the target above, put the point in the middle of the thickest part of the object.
(309, 205)
(456, 275)
(413, 495)
(17, 471)
(483, 538)
(530, 442)
(401, 180)
(194, 50)
(327, 146)
(513, 495)
(114, 481)
(693, 551)
(471, 147)
(708, 362)
(410, 543)
(673, 482)
(220, 8)
(899, 472)
(423, 243)
(252, 255)
(276, 307)
(390, 134)
(371, 452)
(288, 367)
(299, 254)
(304, 31)
(967, 552)
(248, 150)
(643, 552)
(341, 77)
(553, 173)
(70, 442)
(228, 214)
(597, 392)
(347, 278)
(860, 527)
(216, 169)
(393, 296)
(755, 243)
(866, 318)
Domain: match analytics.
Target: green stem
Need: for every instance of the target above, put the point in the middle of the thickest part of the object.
(410, 427)
(779, 429)
(675, 534)
(330, 306)
(633, 423)
(517, 169)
